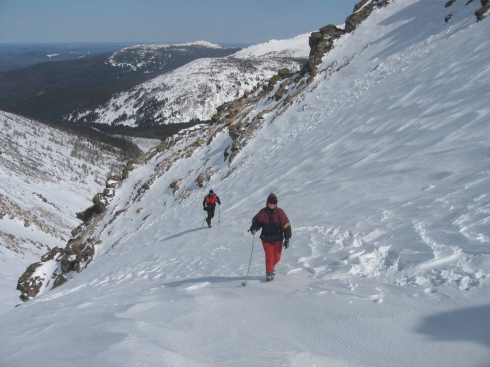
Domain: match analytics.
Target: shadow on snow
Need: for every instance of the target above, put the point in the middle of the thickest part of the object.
(471, 324)
(214, 280)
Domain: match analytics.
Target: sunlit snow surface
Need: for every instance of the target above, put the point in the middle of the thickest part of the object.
(383, 169)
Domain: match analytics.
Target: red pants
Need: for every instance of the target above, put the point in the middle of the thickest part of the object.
(272, 255)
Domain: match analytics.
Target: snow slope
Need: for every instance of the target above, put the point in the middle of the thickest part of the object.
(383, 169)
(46, 177)
(294, 47)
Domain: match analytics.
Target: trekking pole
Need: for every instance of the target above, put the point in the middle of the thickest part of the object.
(244, 283)
(203, 222)
(219, 214)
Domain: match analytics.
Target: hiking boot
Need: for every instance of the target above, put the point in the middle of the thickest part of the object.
(269, 276)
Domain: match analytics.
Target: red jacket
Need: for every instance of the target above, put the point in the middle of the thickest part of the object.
(274, 223)
(211, 200)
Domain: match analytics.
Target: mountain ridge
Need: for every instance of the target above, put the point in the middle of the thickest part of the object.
(48, 91)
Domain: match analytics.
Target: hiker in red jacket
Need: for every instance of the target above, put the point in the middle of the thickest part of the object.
(275, 228)
(209, 204)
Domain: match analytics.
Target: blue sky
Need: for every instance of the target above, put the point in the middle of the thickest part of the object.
(218, 21)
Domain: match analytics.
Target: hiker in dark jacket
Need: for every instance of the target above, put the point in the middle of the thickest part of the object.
(275, 228)
(209, 204)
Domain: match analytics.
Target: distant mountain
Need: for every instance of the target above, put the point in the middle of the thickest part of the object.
(50, 90)
(194, 91)
(20, 55)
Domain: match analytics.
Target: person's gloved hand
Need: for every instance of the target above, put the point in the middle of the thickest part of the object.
(205, 209)
(286, 243)
(252, 230)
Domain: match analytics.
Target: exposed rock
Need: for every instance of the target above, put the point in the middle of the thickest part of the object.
(110, 184)
(261, 114)
(87, 214)
(131, 165)
(127, 170)
(28, 285)
(108, 192)
(214, 134)
(52, 255)
(361, 11)
(482, 13)
(67, 264)
(281, 91)
(200, 180)
(60, 280)
(320, 43)
(234, 131)
(175, 185)
(272, 82)
(449, 3)
(100, 203)
(77, 254)
(201, 142)
(75, 232)
(204, 177)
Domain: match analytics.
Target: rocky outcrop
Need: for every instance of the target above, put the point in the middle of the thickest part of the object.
(175, 186)
(204, 177)
(362, 10)
(31, 281)
(130, 166)
(321, 42)
(100, 200)
(484, 11)
(29, 284)
(76, 255)
(449, 3)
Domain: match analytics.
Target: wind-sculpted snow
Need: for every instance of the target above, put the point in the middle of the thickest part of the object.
(294, 47)
(381, 165)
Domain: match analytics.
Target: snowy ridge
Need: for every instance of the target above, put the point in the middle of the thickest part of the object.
(190, 92)
(294, 47)
(195, 90)
(143, 55)
(382, 167)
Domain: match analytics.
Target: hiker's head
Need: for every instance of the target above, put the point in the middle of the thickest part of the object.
(211, 192)
(272, 201)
